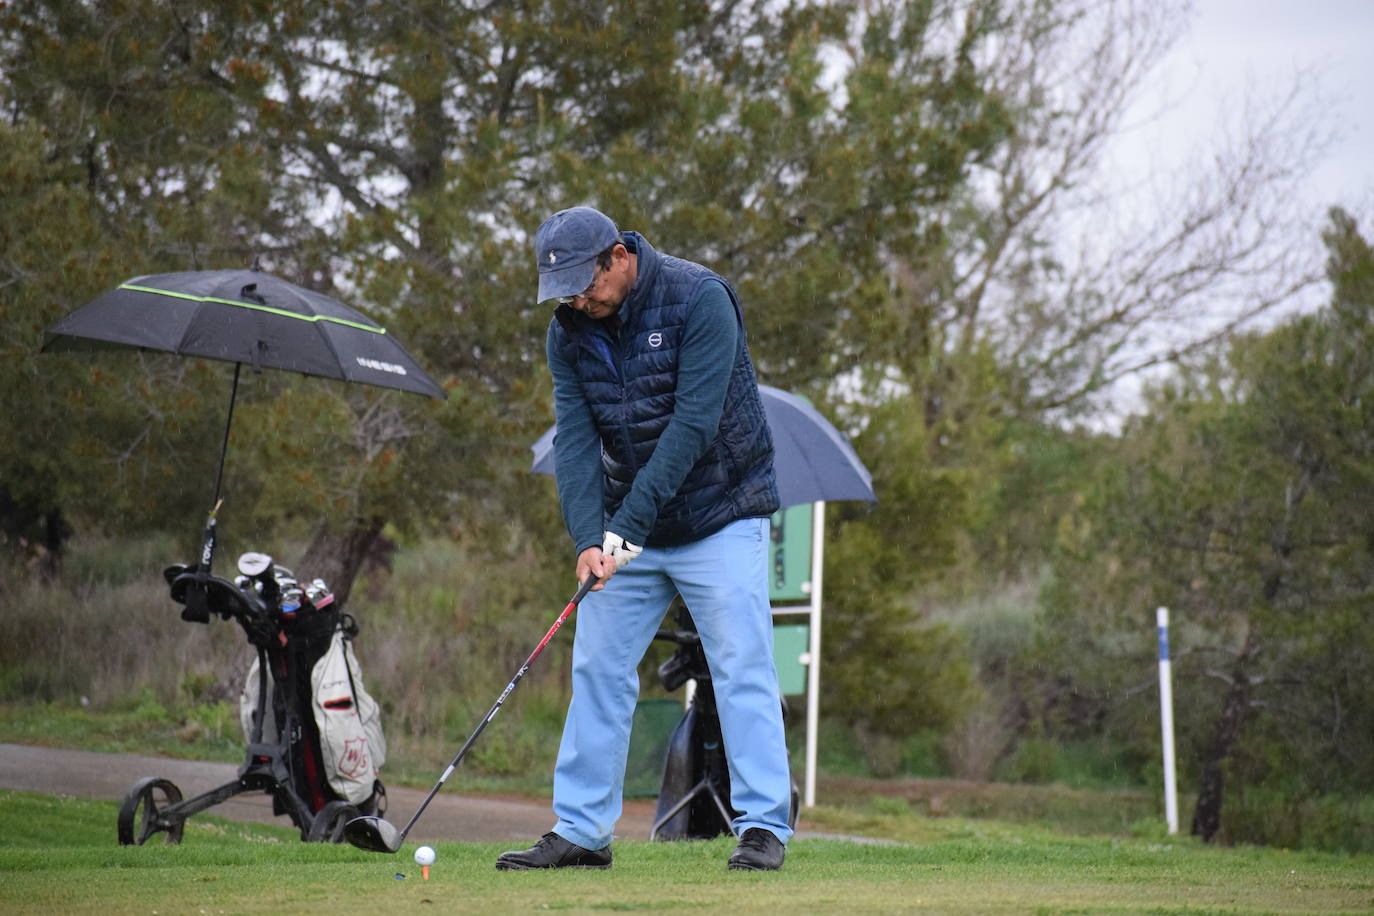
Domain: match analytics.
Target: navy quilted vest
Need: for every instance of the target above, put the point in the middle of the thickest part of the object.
(630, 379)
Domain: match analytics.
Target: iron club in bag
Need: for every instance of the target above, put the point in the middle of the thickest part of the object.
(376, 834)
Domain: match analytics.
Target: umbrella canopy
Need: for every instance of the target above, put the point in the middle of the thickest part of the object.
(240, 316)
(243, 316)
(813, 460)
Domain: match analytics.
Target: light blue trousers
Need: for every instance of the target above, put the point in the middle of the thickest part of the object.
(723, 579)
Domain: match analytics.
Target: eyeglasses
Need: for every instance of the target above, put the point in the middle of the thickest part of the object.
(568, 300)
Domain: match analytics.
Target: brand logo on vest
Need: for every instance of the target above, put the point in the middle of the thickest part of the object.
(656, 340)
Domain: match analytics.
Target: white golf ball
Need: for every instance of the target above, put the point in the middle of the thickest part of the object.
(424, 856)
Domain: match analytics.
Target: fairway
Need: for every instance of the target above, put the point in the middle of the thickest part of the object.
(59, 856)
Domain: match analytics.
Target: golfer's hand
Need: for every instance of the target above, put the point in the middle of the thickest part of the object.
(592, 562)
(619, 549)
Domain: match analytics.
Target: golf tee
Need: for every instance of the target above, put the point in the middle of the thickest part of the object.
(424, 870)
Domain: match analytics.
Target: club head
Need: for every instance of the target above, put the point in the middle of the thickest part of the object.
(254, 563)
(375, 834)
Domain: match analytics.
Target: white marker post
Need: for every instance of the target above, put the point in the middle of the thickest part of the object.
(1166, 716)
(813, 659)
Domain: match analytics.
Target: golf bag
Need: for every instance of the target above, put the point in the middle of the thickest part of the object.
(314, 739)
(694, 798)
(313, 682)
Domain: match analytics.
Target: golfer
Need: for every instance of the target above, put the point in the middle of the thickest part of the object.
(664, 465)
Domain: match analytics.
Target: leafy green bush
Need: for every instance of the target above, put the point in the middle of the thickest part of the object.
(1099, 763)
(1332, 823)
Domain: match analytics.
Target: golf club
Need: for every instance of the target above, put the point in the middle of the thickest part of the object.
(376, 834)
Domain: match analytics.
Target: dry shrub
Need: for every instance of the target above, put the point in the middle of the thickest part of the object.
(980, 739)
(111, 642)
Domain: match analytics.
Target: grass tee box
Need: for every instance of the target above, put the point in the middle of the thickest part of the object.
(56, 856)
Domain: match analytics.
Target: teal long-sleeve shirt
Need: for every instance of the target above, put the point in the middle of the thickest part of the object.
(706, 357)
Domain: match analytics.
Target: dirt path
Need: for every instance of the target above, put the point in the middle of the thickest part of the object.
(450, 817)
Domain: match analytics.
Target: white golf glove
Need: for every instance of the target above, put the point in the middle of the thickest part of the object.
(622, 550)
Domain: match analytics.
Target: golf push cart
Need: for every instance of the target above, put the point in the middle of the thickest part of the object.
(694, 798)
(304, 687)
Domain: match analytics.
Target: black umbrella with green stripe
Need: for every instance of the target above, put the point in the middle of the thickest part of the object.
(248, 317)
(243, 317)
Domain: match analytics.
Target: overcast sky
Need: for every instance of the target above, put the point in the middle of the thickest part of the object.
(1237, 47)
(1249, 51)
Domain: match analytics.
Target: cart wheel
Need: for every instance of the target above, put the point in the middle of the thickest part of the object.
(141, 815)
(328, 825)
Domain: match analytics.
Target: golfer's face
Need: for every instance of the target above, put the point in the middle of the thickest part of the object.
(608, 290)
(598, 301)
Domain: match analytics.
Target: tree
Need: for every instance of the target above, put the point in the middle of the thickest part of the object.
(893, 673)
(146, 122)
(882, 181)
(404, 151)
(1239, 505)
(1074, 276)
(1047, 277)
(81, 431)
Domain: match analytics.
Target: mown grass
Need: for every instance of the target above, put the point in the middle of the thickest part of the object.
(59, 855)
(137, 728)
(1060, 807)
(100, 660)
(195, 735)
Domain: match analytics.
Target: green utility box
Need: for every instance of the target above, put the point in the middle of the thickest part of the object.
(790, 642)
(789, 554)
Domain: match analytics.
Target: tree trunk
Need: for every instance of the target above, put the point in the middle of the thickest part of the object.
(336, 555)
(38, 533)
(1207, 814)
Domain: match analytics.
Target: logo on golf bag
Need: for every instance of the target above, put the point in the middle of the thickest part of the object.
(351, 738)
(353, 762)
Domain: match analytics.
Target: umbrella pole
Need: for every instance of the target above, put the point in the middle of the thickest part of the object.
(224, 448)
(197, 607)
(207, 550)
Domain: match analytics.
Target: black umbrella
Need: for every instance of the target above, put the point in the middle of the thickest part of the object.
(241, 316)
(812, 459)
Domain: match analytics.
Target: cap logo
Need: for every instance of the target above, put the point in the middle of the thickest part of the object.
(553, 258)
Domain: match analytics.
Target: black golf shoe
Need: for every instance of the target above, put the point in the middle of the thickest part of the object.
(758, 850)
(552, 851)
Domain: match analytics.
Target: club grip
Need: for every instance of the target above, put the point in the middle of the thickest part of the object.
(583, 589)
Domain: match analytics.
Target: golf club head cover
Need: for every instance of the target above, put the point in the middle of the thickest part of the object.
(619, 548)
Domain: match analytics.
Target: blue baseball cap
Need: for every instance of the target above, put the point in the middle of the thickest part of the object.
(565, 248)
